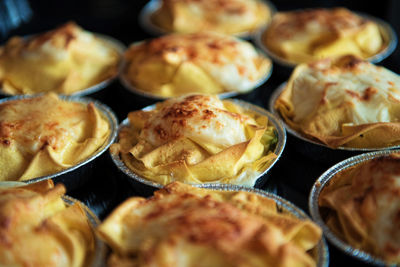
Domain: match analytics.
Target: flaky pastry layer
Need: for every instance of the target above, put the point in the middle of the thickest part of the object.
(307, 35)
(362, 205)
(38, 229)
(223, 16)
(197, 139)
(187, 226)
(65, 60)
(43, 135)
(343, 102)
(178, 64)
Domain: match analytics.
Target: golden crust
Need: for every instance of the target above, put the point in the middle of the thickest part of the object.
(311, 34)
(197, 139)
(184, 223)
(362, 206)
(223, 16)
(43, 135)
(64, 60)
(343, 102)
(178, 64)
(38, 229)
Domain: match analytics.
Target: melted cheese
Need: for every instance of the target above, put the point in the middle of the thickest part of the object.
(43, 135)
(311, 34)
(197, 139)
(205, 62)
(202, 118)
(223, 16)
(371, 195)
(371, 90)
(340, 94)
(38, 229)
(64, 60)
(201, 227)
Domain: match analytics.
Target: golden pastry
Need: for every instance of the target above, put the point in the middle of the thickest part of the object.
(223, 16)
(178, 64)
(311, 34)
(197, 139)
(188, 226)
(343, 102)
(362, 207)
(65, 60)
(38, 229)
(43, 135)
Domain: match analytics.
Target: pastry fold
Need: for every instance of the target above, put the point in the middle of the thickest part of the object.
(197, 139)
(39, 229)
(362, 205)
(42, 135)
(343, 101)
(64, 60)
(203, 227)
(307, 35)
(228, 16)
(209, 63)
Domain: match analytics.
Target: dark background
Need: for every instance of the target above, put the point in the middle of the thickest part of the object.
(119, 18)
(295, 172)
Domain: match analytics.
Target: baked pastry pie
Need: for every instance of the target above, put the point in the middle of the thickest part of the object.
(178, 64)
(203, 227)
(361, 205)
(65, 60)
(44, 134)
(37, 228)
(306, 35)
(343, 102)
(197, 139)
(223, 16)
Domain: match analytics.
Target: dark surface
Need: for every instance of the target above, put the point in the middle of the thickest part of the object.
(294, 174)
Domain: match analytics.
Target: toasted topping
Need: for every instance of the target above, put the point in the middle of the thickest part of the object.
(369, 85)
(338, 20)
(225, 228)
(31, 128)
(306, 35)
(330, 96)
(197, 116)
(228, 6)
(223, 16)
(37, 122)
(187, 63)
(64, 60)
(200, 46)
(197, 139)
